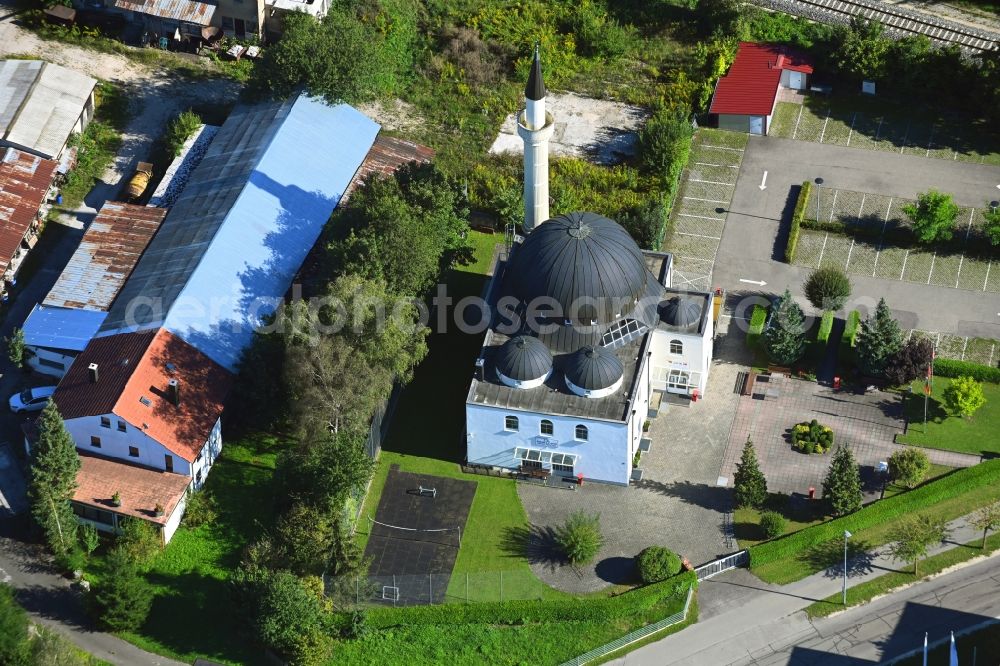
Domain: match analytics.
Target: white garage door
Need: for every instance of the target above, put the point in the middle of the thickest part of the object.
(796, 80)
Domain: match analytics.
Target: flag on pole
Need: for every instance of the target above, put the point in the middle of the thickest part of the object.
(925, 648)
(953, 655)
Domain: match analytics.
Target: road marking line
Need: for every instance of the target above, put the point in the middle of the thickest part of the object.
(905, 257)
(822, 250)
(964, 346)
(823, 133)
(702, 217)
(958, 277)
(849, 252)
(686, 233)
(851, 133)
(993, 347)
(797, 121)
(705, 145)
(708, 200)
(906, 133)
(933, 259)
(833, 206)
(878, 253)
(968, 230)
(987, 280)
(721, 166)
(711, 182)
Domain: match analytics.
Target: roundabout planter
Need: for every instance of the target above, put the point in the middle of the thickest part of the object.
(812, 437)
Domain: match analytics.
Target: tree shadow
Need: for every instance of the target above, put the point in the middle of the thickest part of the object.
(535, 543)
(781, 240)
(829, 558)
(617, 570)
(714, 498)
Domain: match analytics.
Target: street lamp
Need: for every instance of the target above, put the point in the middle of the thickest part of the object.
(847, 535)
(819, 185)
(993, 205)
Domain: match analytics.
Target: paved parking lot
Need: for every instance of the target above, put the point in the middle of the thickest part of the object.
(707, 187)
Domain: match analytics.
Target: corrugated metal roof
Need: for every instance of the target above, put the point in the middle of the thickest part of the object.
(750, 86)
(241, 228)
(61, 328)
(188, 11)
(42, 104)
(388, 154)
(24, 181)
(108, 252)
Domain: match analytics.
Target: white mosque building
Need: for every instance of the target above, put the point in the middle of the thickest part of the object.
(585, 329)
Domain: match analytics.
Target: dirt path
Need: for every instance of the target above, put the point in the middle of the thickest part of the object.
(155, 96)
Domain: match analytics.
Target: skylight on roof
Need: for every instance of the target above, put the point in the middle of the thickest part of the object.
(144, 400)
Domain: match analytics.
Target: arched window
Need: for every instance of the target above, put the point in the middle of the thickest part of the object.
(546, 427)
(582, 433)
(676, 347)
(510, 423)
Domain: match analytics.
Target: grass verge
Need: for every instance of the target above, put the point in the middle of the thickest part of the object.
(865, 592)
(976, 435)
(96, 146)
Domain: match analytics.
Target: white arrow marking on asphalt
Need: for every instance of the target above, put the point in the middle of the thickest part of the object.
(763, 182)
(759, 283)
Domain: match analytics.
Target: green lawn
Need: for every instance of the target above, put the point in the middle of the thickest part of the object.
(746, 522)
(935, 471)
(884, 584)
(193, 613)
(975, 435)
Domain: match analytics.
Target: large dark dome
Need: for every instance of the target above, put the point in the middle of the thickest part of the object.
(591, 369)
(576, 257)
(523, 358)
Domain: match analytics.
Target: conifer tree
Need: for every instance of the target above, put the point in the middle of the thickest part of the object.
(123, 597)
(878, 340)
(784, 339)
(750, 484)
(842, 485)
(54, 465)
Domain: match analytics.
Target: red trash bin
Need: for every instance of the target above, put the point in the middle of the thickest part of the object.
(836, 382)
(812, 493)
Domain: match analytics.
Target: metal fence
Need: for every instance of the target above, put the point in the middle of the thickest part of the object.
(706, 571)
(635, 636)
(351, 592)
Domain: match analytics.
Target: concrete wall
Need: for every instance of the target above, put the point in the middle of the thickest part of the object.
(209, 453)
(114, 444)
(605, 456)
(60, 356)
(174, 521)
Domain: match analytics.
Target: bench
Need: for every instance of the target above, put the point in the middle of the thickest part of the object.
(534, 472)
(748, 389)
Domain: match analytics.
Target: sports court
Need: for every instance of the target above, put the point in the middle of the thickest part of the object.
(415, 533)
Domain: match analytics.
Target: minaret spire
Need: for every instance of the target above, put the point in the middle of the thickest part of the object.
(535, 127)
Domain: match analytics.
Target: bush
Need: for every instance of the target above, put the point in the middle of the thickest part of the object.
(180, 130)
(200, 509)
(13, 629)
(892, 508)
(800, 211)
(910, 362)
(291, 620)
(773, 524)
(828, 288)
(139, 541)
(657, 563)
(964, 396)
(579, 538)
(851, 328)
(909, 467)
(945, 367)
(825, 327)
(812, 437)
(757, 321)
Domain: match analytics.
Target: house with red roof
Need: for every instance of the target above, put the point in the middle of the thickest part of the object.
(745, 97)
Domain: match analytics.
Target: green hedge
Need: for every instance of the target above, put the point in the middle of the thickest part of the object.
(901, 237)
(946, 367)
(878, 513)
(851, 328)
(757, 320)
(797, 216)
(531, 611)
(825, 327)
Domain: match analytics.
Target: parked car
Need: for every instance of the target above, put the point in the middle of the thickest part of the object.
(31, 399)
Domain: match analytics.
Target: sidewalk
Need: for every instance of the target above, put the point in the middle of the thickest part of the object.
(742, 617)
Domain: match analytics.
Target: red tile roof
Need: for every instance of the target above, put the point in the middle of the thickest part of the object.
(132, 370)
(24, 181)
(750, 86)
(139, 488)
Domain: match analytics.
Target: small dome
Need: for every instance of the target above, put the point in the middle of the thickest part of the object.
(587, 263)
(680, 312)
(523, 359)
(593, 372)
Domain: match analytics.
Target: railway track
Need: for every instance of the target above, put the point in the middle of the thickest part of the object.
(894, 19)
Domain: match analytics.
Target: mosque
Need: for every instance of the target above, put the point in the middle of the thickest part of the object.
(586, 331)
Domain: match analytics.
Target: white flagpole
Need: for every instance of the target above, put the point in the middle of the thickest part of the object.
(953, 659)
(925, 648)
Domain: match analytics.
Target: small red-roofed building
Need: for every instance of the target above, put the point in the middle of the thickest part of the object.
(745, 97)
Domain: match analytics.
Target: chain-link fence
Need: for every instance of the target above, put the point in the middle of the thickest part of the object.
(348, 592)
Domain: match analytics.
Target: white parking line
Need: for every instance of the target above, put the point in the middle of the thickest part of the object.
(849, 253)
(702, 217)
(708, 200)
(797, 121)
(905, 257)
(685, 233)
(851, 133)
(933, 259)
(823, 133)
(987, 280)
(710, 182)
(705, 145)
(721, 166)
(958, 277)
(833, 206)
(820, 262)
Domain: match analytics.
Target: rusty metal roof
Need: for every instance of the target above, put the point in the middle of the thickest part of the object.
(24, 181)
(388, 154)
(108, 252)
(187, 11)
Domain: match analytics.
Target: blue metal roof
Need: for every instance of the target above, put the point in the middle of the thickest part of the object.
(61, 328)
(245, 222)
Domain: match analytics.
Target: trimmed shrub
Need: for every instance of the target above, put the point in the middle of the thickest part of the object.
(946, 367)
(828, 288)
(773, 524)
(579, 538)
(656, 564)
(892, 508)
(825, 327)
(757, 321)
(851, 328)
(909, 467)
(800, 211)
(964, 396)
(812, 437)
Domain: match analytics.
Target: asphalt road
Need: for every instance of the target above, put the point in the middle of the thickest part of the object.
(753, 243)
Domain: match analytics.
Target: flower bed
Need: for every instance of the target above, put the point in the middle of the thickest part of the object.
(812, 437)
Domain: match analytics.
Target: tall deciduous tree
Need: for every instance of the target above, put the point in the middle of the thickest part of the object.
(123, 597)
(749, 483)
(785, 339)
(912, 539)
(863, 48)
(910, 362)
(54, 466)
(986, 519)
(291, 619)
(878, 339)
(842, 485)
(933, 216)
(964, 396)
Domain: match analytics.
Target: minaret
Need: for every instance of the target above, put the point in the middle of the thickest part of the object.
(535, 127)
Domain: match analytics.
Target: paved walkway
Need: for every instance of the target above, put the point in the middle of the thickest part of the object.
(866, 422)
(742, 618)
